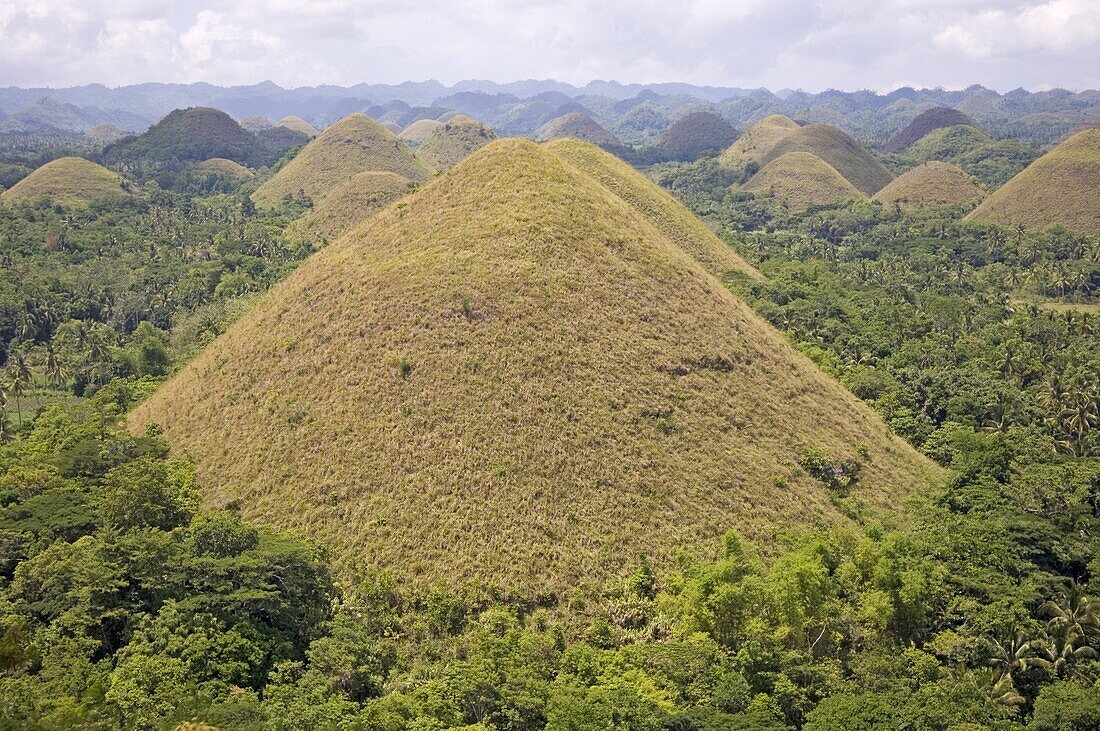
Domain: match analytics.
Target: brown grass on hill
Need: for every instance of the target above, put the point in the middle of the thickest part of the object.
(419, 131)
(355, 144)
(929, 185)
(517, 378)
(298, 125)
(578, 125)
(801, 180)
(856, 163)
(456, 140)
(757, 141)
(347, 205)
(71, 181)
(1061, 187)
(392, 126)
(223, 168)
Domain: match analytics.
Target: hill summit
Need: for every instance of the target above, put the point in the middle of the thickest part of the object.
(454, 141)
(929, 185)
(757, 141)
(517, 378)
(925, 122)
(802, 180)
(695, 134)
(188, 136)
(861, 168)
(1061, 187)
(71, 181)
(578, 125)
(298, 125)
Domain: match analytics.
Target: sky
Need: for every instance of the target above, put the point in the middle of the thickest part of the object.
(799, 44)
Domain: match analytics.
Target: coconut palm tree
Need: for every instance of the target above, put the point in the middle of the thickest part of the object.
(19, 379)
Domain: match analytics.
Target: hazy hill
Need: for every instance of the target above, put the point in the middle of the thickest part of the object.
(801, 180)
(695, 134)
(577, 125)
(757, 141)
(855, 162)
(516, 378)
(355, 144)
(931, 184)
(419, 131)
(298, 125)
(925, 123)
(454, 141)
(188, 136)
(71, 181)
(222, 168)
(1061, 187)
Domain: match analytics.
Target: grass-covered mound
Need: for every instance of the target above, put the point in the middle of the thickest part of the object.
(664, 212)
(355, 144)
(991, 162)
(925, 122)
(694, 135)
(188, 136)
(392, 126)
(222, 168)
(1061, 187)
(579, 126)
(456, 140)
(298, 125)
(757, 141)
(347, 205)
(801, 180)
(419, 131)
(70, 181)
(929, 185)
(517, 378)
(856, 163)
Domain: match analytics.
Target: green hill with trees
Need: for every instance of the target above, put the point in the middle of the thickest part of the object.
(925, 122)
(578, 125)
(298, 125)
(695, 134)
(185, 137)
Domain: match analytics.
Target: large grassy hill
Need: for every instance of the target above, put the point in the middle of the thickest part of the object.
(577, 125)
(188, 136)
(757, 141)
(71, 181)
(857, 164)
(454, 142)
(1061, 187)
(925, 122)
(355, 144)
(801, 180)
(929, 185)
(517, 378)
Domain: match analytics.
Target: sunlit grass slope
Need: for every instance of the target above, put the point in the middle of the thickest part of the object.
(298, 125)
(355, 144)
(71, 181)
(856, 163)
(757, 141)
(801, 180)
(419, 131)
(929, 185)
(454, 142)
(1061, 187)
(516, 378)
(347, 205)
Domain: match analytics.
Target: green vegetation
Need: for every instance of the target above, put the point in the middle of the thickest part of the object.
(857, 164)
(931, 184)
(926, 122)
(757, 141)
(695, 135)
(801, 180)
(991, 162)
(67, 181)
(579, 126)
(452, 143)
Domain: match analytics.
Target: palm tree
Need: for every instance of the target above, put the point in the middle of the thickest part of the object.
(56, 371)
(19, 379)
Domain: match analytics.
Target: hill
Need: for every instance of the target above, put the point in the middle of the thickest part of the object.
(801, 180)
(71, 181)
(355, 144)
(298, 125)
(695, 134)
(861, 168)
(187, 136)
(222, 168)
(278, 140)
(419, 131)
(256, 123)
(516, 378)
(347, 205)
(991, 162)
(454, 141)
(757, 141)
(104, 134)
(392, 126)
(931, 184)
(925, 122)
(1061, 187)
(577, 125)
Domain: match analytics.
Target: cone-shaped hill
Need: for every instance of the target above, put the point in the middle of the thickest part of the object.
(347, 205)
(392, 126)
(930, 185)
(801, 180)
(861, 168)
(757, 141)
(419, 131)
(355, 144)
(188, 136)
(579, 126)
(71, 181)
(695, 134)
(222, 168)
(298, 125)
(516, 378)
(1061, 187)
(456, 140)
(925, 122)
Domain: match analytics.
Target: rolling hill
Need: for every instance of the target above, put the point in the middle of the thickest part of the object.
(187, 136)
(298, 125)
(454, 141)
(991, 162)
(936, 118)
(419, 131)
(757, 141)
(1061, 187)
(222, 168)
(347, 205)
(71, 181)
(695, 134)
(577, 125)
(517, 378)
(929, 185)
(801, 180)
(861, 168)
(355, 144)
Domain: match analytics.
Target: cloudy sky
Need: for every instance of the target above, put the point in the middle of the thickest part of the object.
(808, 44)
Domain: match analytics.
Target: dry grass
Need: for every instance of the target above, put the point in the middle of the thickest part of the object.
(664, 212)
(355, 144)
(856, 163)
(419, 131)
(348, 205)
(298, 125)
(1061, 187)
(71, 181)
(516, 377)
(456, 140)
(929, 185)
(223, 168)
(757, 141)
(578, 125)
(801, 180)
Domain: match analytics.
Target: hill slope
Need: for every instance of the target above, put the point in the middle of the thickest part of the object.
(71, 181)
(850, 159)
(298, 125)
(187, 136)
(1061, 187)
(577, 125)
(694, 134)
(454, 141)
(347, 205)
(924, 123)
(801, 180)
(516, 378)
(931, 184)
(222, 168)
(757, 141)
(419, 131)
(355, 144)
